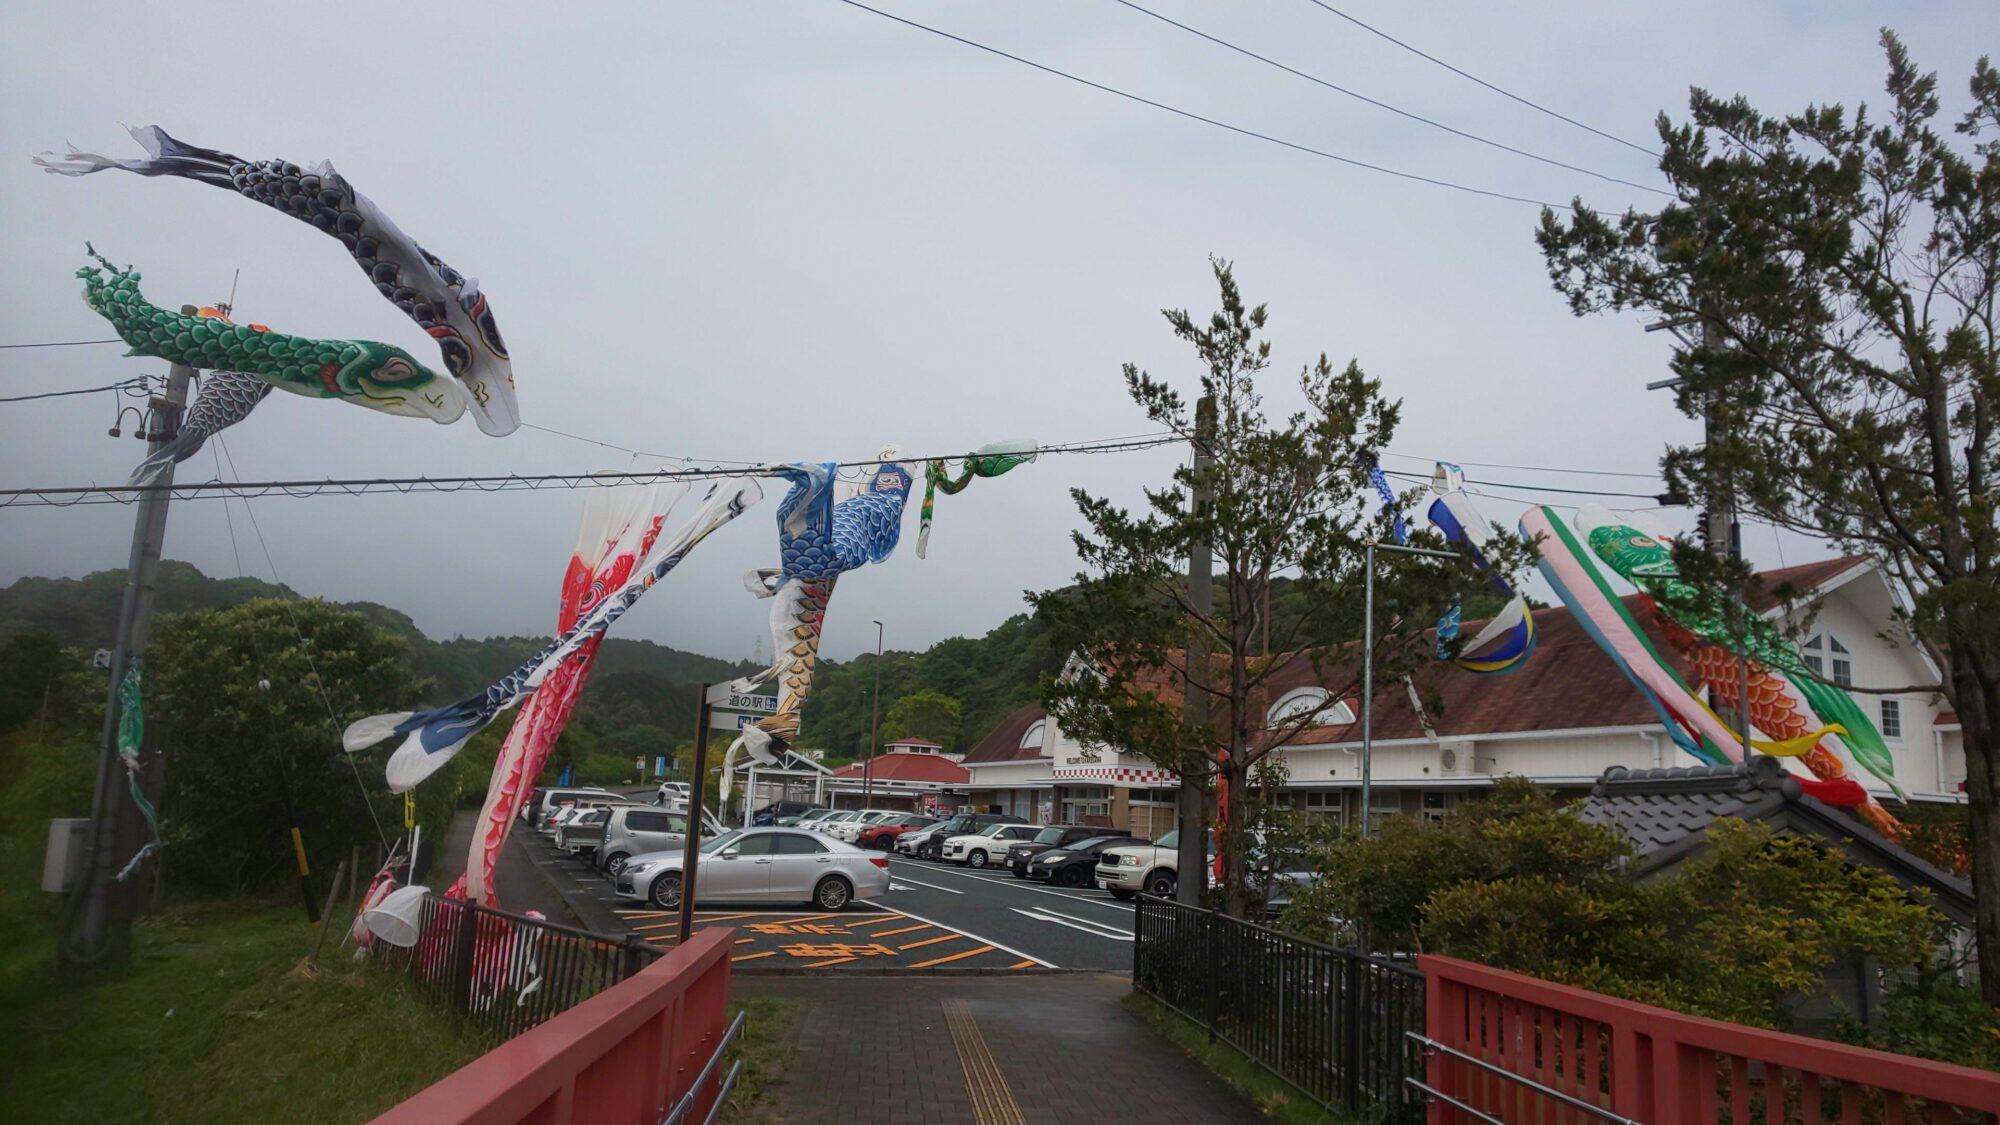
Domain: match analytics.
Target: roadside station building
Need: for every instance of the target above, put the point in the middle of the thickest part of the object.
(912, 774)
(1562, 719)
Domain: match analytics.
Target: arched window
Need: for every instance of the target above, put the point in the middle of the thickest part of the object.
(1033, 739)
(1823, 651)
(1300, 702)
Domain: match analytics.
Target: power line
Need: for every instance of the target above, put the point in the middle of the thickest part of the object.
(1433, 123)
(127, 386)
(86, 495)
(1178, 112)
(1529, 468)
(1654, 496)
(1481, 81)
(63, 343)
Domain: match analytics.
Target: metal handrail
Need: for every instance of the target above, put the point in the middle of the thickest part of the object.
(1294, 939)
(1430, 1044)
(680, 1110)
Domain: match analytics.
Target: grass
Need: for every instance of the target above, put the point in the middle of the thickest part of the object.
(209, 1024)
(764, 1047)
(1276, 1100)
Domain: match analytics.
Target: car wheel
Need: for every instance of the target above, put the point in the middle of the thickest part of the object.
(1160, 884)
(666, 891)
(833, 893)
(1072, 877)
(1121, 894)
(1020, 872)
(616, 863)
(976, 858)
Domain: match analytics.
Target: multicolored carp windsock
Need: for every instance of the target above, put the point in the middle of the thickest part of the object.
(987, 461)
(1388, 495)
(444, 303)
(1509, 638)
(432, 737)
(222, 399)
(1573, 574)
(1804, 716)
(819, 539)
(379, 376)
(619, 528)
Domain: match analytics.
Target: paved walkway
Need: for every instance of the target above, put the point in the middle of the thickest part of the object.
(521, 888)
(981, 1050)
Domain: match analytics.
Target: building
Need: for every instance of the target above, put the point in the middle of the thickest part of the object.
(913, 780)
(1563, 718)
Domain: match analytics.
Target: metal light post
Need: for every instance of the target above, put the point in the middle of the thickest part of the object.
(874, 727)
(1368, 668)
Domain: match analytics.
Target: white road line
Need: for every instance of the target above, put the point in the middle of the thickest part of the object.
(1040, 916)
(1024, 885)
(932, 886)
(982, 940)
(1085, 921)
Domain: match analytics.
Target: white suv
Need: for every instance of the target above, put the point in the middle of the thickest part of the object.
(1152, 868)
(986, 846)
(846, 830)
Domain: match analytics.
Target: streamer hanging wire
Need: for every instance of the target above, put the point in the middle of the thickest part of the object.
(126, 494)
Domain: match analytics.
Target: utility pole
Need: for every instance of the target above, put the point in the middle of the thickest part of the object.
(1725, 541)
(1191, 856)
(103, 927)
(707, 695)
(874, 727)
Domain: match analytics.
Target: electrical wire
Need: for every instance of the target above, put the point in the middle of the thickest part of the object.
(61, 344)
(131, 388)
(1481, 81)
(86, 495)
(1210, 121)
(1654, 496)
(1418, 117)
(1528, 468)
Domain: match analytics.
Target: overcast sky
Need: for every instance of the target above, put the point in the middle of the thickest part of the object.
(796, 230)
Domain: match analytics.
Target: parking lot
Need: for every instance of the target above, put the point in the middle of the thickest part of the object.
(935, 916)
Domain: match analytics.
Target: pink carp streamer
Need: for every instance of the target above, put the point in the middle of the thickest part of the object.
(619, 527)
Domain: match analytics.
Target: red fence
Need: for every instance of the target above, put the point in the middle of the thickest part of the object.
(1512, 1048)
(629, 1054)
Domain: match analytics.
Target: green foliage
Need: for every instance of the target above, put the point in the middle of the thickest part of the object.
(925, 714)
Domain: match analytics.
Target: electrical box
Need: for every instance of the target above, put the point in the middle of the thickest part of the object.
(62, 865)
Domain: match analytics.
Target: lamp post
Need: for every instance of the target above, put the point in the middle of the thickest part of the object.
(1368, 668)
(874, 727)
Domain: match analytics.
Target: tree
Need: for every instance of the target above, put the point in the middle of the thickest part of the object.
(924, 714)
(1841, 273)
(250, 747)
(1285, 497)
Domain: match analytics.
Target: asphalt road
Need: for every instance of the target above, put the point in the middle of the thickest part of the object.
(935, 916)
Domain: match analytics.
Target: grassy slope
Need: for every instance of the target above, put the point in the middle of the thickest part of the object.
(1271, 1095)
(209, 1026)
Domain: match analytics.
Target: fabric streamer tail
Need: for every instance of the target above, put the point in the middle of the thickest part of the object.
(987, 461)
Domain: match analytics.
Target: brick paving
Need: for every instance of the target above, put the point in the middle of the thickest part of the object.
(878, 1050)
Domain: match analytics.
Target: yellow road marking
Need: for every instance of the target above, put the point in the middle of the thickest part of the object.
(992, 1099)
(953, 957)
(823, 964)
(876, 921)
(754, 956)
(929, 941)
(904, 930)
(1022, 965)
(745, 940)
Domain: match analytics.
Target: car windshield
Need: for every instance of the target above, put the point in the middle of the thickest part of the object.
(992, 830)
(720, 842)
(1099, 842)
(1170, 840)
(1050, 835)
(915, 821)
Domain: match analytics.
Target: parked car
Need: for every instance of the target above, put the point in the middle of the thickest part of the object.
(987, 845)
(637, 830)
(882, 836)
(1152, 868)
(929, 843)
(804, 816)
(558, 816)
(1054, 836)
(846, 830)
(583, 831)
(760, 865)
(1075, 864)
(535, 810)
(672, 796)
(827, 822)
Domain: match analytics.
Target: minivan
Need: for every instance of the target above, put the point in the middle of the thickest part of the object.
(930, 841)
(635, 830)
(544, 799)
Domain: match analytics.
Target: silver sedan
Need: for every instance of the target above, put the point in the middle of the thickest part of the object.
(760, 865)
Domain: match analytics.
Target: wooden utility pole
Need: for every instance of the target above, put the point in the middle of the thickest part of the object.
(97, 922)
(697, 794)
(1191, 856)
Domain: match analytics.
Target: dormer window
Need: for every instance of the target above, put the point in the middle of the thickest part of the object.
(1033, 739)
(1295, 705)
(1824, 649)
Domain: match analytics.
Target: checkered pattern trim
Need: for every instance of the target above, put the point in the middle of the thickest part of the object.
(1117, 773)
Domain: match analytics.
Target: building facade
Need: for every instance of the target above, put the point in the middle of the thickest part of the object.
(1561, 719)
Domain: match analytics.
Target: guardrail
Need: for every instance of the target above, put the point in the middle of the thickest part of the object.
(644, 1051)
(1507, 1047)
(1330, 1022)
(505, 972)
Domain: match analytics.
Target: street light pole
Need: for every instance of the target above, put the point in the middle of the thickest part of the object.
(874, 727)
(1368, 667)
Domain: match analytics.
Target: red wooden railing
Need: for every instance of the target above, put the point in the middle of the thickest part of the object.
(626, 1056)
(1513, 1048)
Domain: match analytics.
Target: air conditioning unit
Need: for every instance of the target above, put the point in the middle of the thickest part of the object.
(1458, 759)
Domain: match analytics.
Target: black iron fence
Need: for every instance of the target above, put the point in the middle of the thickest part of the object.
(1331, 1022)
(505, 972)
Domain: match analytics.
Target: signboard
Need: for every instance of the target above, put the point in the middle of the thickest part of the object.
(719, 719)
(660, 766)
(743, 701)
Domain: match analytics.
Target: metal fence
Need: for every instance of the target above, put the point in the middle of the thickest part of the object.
(505, 972)
(1330, 1022)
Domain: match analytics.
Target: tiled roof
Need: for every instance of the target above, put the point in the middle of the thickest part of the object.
(908, 767)
(1667, 814)
(1797, 582)
(1003, 743)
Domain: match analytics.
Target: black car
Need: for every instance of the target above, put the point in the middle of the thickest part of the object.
(1054, 836)
(964, 824)
(1076, 864)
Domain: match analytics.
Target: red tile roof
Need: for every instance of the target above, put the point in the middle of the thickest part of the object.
(909, 767)
(1003, 743)
(1773, 586)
